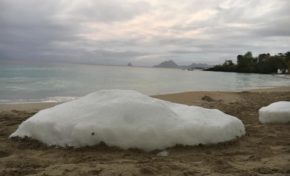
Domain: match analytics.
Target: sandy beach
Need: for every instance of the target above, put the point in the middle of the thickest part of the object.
(265, 150)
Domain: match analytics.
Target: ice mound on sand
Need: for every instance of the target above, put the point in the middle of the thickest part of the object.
(129, 119)
(278, 112)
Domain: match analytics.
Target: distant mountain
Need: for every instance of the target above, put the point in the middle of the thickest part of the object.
(172, 64)
(197, 66)
(167, 64)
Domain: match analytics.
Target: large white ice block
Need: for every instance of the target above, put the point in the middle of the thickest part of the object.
(278, 112)
(129, 119)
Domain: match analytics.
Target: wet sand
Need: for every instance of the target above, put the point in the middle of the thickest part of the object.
(265, 150)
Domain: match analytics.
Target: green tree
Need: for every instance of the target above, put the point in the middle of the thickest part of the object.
(264, 63)
(246, 63)
(287, 59)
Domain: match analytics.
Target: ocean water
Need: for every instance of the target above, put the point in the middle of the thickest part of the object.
(57, 83)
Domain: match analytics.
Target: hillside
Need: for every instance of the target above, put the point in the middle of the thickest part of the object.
(167, 64)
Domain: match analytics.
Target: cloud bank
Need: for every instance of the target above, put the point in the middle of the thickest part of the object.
(144, 32)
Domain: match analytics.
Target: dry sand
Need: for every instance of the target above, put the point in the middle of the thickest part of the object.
(265, 150)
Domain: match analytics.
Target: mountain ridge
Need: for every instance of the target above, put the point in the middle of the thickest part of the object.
(172, 64)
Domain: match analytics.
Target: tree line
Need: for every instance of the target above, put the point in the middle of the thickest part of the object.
(263, 63)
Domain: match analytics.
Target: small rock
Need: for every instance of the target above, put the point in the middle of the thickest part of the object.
(207, 98)
(163, 153)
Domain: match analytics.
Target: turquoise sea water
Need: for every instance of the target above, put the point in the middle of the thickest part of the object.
(35, 83)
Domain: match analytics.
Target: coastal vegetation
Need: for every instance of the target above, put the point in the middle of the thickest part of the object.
(263, 63)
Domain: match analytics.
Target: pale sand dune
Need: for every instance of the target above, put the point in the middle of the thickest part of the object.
(264, 150)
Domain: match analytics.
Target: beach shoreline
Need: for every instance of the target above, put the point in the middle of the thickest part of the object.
(265, 149)
(174, 97)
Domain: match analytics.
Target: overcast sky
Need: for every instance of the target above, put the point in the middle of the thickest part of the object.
(144, 32)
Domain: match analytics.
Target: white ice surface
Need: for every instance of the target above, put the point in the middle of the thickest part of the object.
(278, 112)
(129, 119)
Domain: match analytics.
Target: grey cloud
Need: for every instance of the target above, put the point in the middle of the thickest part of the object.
(182, 51)
(278, 27)
(118, 54)
(49, 30)
(108, 10)
(28, 28)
